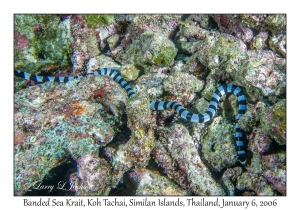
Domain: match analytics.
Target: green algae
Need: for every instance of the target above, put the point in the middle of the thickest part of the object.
(49, 42)
(94, 20)
(81, 147)
(225, 47)
(112, 41)
(33, 164)
(165, 55)
(151, 49)
(129, 72)
(280, 115)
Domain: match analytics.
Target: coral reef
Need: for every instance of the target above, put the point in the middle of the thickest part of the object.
(259, 41)
(278, 43)
(261, 71)
(118, 142)
(170, 166)
(152, 84)
(243, 27)
(275, 170)
(261, 143)
(165, 24)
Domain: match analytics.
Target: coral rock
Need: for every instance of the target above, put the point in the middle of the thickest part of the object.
(151, 49)
(42, 42)
(149, 182)
(229, 177)
(261, 143)
(273, 161)
(94, 176)
(218, 146)
(136, 152)
(171, 168)
(181, 147)
(278, 178)
(97, 62)
(63, 121)
(273, 121)
(255, 182)
(85, 44)
(129, 72)
(183, 85)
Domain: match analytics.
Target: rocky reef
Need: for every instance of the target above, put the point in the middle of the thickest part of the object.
(118, 144)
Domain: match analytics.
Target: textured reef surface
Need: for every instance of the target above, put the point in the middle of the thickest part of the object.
(110, 144)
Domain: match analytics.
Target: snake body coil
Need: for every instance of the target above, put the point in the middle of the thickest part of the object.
(162, 105)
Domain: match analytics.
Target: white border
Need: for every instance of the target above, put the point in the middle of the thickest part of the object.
(8, 201)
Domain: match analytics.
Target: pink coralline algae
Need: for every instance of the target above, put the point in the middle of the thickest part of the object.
(261, 143)
(20, 41)
(256, 182)
(227, 24)
(278, 178)
(269, 26)
(275, 170)
(272, 161)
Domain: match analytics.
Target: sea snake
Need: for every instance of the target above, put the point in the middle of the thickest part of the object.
(162, 105)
